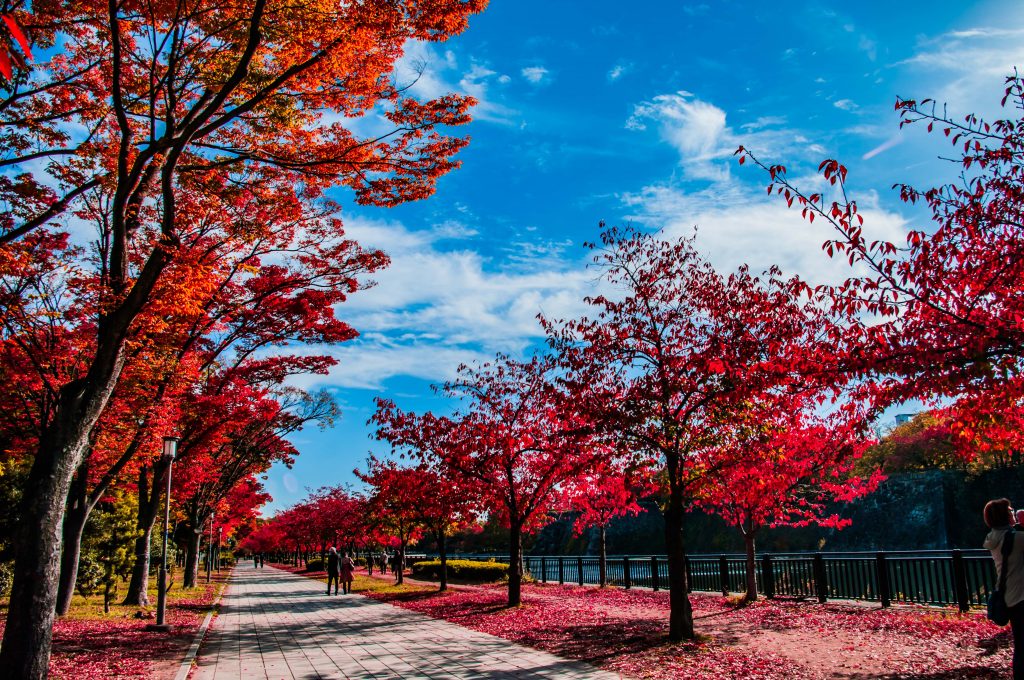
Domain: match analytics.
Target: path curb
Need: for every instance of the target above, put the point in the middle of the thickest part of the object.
(197, 641)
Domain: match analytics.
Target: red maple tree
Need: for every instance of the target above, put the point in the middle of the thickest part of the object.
(393, 504)
(599, 495)
(235, 101)
(516, 438)
(665, 364)
(445, 501)
(791, 467)
(939, 317)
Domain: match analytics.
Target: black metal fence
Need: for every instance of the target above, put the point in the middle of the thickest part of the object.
(936, 577)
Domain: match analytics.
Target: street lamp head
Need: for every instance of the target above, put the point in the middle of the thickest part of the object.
(171, 447)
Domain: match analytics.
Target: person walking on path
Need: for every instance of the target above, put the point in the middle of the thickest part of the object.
(999, 517)
(396, 566)
(347, 567)
(333, 570)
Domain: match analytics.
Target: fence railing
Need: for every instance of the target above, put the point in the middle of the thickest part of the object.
(936, 577)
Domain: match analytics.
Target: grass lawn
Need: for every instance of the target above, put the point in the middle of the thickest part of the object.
(88, 643)
(626, 631)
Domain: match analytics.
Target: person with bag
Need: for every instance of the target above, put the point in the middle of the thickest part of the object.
(347, 569)
(1006, 603)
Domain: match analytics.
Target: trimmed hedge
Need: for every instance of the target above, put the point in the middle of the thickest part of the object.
(317, 564)
(463, 570)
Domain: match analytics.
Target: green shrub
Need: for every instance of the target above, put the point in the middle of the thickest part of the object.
(6, 578)
(315, 565)
(461, 570)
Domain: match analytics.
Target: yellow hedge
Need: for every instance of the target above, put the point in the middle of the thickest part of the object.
(462, 570)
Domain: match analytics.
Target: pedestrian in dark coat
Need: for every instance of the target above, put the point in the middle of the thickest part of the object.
(333, 570)
(396, 565)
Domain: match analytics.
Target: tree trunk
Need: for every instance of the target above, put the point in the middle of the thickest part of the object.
(149, 510)
(602, 560)
(680, 619)
(191, 560)
(25, 652)
(400, 564)
(442, 551)
(751, 596)
(75, 517)
(515, 565)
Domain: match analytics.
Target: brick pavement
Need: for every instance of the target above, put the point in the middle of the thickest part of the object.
(276, 625)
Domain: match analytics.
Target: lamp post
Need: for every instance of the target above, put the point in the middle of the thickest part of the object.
(220, 534)
(170, 451)
(209, 546)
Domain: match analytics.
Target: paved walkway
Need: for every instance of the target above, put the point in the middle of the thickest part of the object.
(274, 624)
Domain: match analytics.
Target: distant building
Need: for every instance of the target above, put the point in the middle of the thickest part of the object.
(904, 418)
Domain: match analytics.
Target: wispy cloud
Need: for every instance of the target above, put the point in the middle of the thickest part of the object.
(695, 128)
(884, 146)
(442, 303)
(965, 66)
(868, 47)
(618, 71)
(699, 132)
(736, 226)
(845, 105)
(427, 74)
(536, 74)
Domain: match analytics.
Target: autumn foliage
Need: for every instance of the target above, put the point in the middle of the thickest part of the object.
(194, 146)
(937, 317)
(194, 142)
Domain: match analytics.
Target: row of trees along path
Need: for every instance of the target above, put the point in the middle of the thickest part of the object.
(195, 141)
(197, 145)
(671, 385)
(750, 395)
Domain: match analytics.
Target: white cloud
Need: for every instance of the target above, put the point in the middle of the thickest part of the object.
(618, 71)
(868, 46)
(368, 362)
(845, 105)
(695, 128)
(706, 144)
(436, 306)
(884, 146)
(421, 69)
(965, 68)
(428, 75)
(535, 74)
(736, 227)
(764, 122)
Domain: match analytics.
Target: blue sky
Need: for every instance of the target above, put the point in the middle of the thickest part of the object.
(589, 111)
